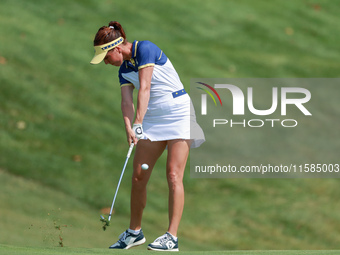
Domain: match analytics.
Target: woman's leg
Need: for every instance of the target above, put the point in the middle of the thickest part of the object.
(146, 152)
(178, 151)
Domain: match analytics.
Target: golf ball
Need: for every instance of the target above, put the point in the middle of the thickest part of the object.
(145, 166)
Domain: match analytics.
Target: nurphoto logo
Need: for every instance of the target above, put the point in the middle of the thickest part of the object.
(266, 127)
(280, 98)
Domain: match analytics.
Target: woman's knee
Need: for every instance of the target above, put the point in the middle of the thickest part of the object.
(139, 180)
(175, 176)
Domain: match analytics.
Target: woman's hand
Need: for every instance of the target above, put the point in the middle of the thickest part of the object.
(131, 137)
(138, 129)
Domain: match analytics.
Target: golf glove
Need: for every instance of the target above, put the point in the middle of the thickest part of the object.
(138, 129)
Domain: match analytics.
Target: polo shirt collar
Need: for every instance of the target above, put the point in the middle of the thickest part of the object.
(134, 48)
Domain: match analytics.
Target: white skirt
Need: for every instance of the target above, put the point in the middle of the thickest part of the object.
(173, 118)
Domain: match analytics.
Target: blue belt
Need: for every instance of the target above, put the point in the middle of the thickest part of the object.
(178, 93)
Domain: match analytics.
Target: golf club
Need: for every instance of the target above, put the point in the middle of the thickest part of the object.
(102, 218)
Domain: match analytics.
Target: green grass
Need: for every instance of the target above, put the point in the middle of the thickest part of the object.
(13, 250)
(72, 108)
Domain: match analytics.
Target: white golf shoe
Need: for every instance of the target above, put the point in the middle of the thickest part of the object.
(164, 243)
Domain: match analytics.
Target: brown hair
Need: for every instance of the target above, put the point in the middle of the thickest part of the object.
(109, 33)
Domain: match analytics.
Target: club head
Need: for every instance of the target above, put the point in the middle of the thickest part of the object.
(106, 222)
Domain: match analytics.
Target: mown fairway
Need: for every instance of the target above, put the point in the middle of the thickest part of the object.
(62, 138)
(14, 250)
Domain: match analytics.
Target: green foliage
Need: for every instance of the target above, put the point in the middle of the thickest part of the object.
(62, 138)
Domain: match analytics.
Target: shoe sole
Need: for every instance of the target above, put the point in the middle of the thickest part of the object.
(155, 249)
(140, 242)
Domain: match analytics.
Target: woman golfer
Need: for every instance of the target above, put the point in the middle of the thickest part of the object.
(162, 121)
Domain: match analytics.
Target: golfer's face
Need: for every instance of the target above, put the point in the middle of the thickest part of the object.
(113, 57)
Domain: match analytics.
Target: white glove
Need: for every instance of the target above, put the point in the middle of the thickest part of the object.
(138, 129)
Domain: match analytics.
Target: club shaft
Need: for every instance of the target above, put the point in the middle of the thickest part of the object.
(120, 179)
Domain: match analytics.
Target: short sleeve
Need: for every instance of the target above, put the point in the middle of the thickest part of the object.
(122, 80)
(147, 54)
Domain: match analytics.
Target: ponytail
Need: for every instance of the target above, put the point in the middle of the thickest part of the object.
(109, 33)
(118, 27)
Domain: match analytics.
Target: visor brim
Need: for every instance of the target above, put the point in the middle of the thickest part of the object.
(98, 58)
